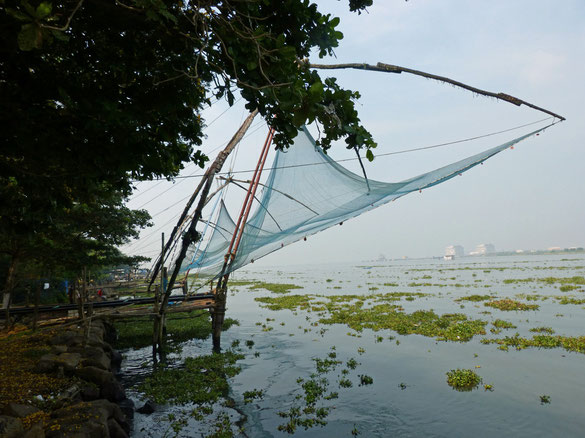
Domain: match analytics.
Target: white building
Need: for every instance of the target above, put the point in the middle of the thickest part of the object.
(484, 249)
(454, 251)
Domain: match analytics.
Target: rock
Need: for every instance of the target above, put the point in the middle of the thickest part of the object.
(10, 427)
(98, 359)
(71, 394)
(46, 363)
(69, 361)
(116, 430)
(113, 411)
(127, 407)
(69, 338)
(90, 393)
(58, 349)
(95, 375)
(20, 411)
(35, 432)
(83, 420)
(116, 359)
(113, 391)
(148, 408)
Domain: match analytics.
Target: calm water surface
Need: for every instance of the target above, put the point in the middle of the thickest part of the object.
(409, 396)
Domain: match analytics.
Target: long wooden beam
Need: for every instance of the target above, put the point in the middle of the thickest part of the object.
(389, 68)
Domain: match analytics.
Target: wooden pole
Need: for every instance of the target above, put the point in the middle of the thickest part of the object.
(218, 314)
(191, 234)
(389, 68)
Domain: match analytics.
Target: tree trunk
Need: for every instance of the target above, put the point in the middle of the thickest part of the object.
(8, 287)
(37, 301)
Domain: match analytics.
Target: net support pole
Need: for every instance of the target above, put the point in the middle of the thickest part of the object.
(190, 235)
(218, 313)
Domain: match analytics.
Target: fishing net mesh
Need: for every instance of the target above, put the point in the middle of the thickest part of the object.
(307, 192)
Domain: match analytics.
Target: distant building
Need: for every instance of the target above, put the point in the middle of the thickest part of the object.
(454, 251)
(484, 249)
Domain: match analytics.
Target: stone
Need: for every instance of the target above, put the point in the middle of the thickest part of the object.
(148, 408)
(46, 363)
(10, 427)
(116, 358)
(35, 432)
(116, 431)
(20, 411)
(58, 349)
(69, 338)
(113, 391)
(97, 359)
(82, 420)
(69, 361)
(127, 407)
(90, 393)
(95, 375)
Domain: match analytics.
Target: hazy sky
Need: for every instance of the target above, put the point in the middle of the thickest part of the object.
(530, 197)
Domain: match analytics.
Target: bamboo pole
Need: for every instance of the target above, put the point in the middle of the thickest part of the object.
(205, 185)
(389, 68)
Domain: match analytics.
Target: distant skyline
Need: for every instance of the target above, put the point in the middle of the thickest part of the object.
(532, 197)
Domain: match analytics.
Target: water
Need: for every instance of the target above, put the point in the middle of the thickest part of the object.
(409, 396)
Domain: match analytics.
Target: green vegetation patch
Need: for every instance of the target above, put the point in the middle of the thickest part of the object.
(448, 327)
(242, 282)
(277, 288)
(475, 298)
(201, 380)
(311, 404)
(576, 280)
(548, 330)
(137, 333)
(570, 300)
(569, 343)
(501, 324)
(352, 311)
(508, 304)
(290, 302)
(463, 380)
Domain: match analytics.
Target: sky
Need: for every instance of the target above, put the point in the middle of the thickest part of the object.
(531, 197)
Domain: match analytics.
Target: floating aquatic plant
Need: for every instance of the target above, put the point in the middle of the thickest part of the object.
(463, 379)
(508, 304)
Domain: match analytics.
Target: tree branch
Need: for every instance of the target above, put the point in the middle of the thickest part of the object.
(389, 68)
(66, 26)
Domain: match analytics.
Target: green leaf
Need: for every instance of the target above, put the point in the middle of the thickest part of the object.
(20, 16)
(29, 37)
(251, 65)
(44, 10)
(61, 36)
(370, 155)
(316, 89)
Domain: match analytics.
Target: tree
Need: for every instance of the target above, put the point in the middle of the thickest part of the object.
(96, 94)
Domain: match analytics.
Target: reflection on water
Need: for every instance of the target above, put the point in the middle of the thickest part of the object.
(409, 396)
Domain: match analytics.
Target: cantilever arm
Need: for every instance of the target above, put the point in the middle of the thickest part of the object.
(389, 68)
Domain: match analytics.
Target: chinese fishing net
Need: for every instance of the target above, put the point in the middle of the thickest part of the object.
(307, 192)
